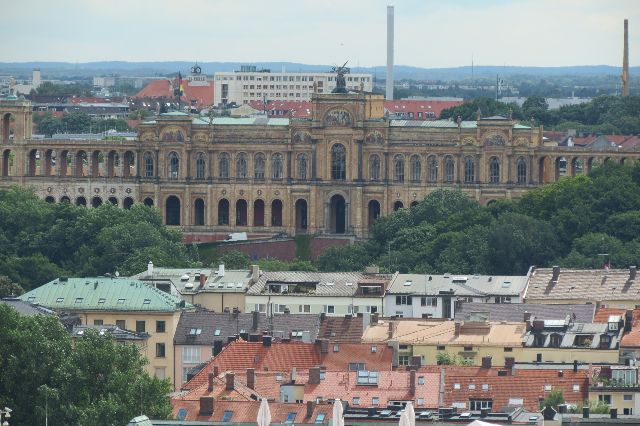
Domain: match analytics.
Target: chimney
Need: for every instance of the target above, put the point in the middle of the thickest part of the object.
(628, 320)
(614, 413)
(575, 365)
(254, 320)
(251, 378)
(266, 341)
(203, 280)
(221, 270)
(391, 328)
(412, 382)
(585, 412)
(486, 362)
(509, 362)
(206, 405)
(255, 273)
(216, 371)
(562, 408)
(632, 272)
(456, 330)
(527, 316)
(230, 380)
(556, 273)
(210, 387)
(625, 60)
(294, 375)
(374, 318)
(150, 269)
(324, 346)
(314, 376)
(389, 91)
(416, 361)
(484, 412)
(310, 406)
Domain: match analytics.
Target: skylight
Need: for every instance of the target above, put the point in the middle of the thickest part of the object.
(217, 332)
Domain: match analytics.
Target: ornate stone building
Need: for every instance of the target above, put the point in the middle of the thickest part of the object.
(334, 173)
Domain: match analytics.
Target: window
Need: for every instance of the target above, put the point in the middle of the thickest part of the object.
(200, 166)
(428, 301)
(494, 170)
(547, 388)
(420, 401)
(121, 324)
(319, 418)
(79, 299)
(416, 168)
(330, 309)
(190, 354)
(290, 418)
(472, 386)
(485, 387)
(374, 167)
(403, 300)
(260, 307)
(355, 400)
(605, 399)
(539, 340)
(403, 360)
(576, 388)
(160, 353)
(302, 167)
(627, 411)
(468, 348)
(304, 308)
(449, 169)
(338, 162)
(503, 299)
(440, 348)
(160, 326)
(508, 349)
(276, 166)
(223, 166)
(522, 170)
(140, 327)
(627, 397)
(421, 380)
(555, 340)
(174, 165)
(241, 166)
(432, 169)
(323, 375)
(456, 386)
(148, 164)
(398, 165)
(121, 301)
(336, 348)
(356, 366)
(258, 166)
(375, 400)
(59, 299)
(226, 417)
(97, 322)
(367, 377)
(478, 404)
(469, 170)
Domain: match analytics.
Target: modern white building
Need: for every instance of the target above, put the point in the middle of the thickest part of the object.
(335, 293)
(251, 84)
(438, 296)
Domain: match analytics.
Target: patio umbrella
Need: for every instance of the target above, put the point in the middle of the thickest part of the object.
(410, 413)
(337, 419)
(264, 414)
(404, 419)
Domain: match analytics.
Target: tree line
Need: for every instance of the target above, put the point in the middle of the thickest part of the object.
(570, 223)
(77, 122)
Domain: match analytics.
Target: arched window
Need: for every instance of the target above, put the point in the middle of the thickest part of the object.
(374, 167)
(148, 164)
(449, 169)
(223, 166)
(494, 170)
(241, 166)
(258, 166)
(302, 167)
(200, 165)
(174, 165)
(338, 162)
(276, 166)
(223, 212)
(469, 170)
(522, 170)
(432, 168)
(398, 164)
(416, 168)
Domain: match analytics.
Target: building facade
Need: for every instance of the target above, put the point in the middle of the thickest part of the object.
(333, 173)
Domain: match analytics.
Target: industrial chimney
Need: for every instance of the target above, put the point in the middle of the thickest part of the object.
(389, 94)
(625, 60)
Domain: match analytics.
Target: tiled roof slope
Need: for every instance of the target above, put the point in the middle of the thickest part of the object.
(201, 94)
(596, 285)
(515, 311)
(103, 294)
(329, 283)
(340, 355)
(229, 324)
(25, 308)
(462, 285)
(342, 329)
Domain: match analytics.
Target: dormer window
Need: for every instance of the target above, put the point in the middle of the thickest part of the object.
(605, 341)
(539, 339)
(555, 340)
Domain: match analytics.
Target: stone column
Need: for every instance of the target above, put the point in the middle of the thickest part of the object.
(314, 155)
(360, 143)
(188, 173)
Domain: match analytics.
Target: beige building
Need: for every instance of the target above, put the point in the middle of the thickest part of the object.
(125, 303)
(617, 387)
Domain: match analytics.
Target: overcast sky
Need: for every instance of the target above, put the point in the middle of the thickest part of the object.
(429, 33)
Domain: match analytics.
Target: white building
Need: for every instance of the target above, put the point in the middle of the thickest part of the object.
(437, 296)
(250, 84)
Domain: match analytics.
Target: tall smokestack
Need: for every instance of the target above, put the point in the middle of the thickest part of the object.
(625, 60)
(389, 94)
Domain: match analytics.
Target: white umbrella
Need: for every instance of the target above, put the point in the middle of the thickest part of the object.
(337, 419)
(404, 419)
(264, 414)
(410, 413)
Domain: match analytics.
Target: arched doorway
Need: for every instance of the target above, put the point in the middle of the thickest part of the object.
(258, 213)
(198, 212)
(148, 202)
(397, 206)
(301, 215)
(172, 210)
(414, 203)
(65, 199)
(81, 201)
(127, 203)
(7, 162)
(6, 122)
(113, 200)
(96, 202)
(129, 164)
(374, 212)
(276, 213)
(223, 212)
(50, 199)
(338, 214)
(34, 158)
(241, 213)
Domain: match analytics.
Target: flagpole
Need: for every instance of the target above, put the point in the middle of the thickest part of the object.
(497, 86)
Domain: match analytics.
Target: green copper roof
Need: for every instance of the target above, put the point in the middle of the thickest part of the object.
(251, 120)
(174, 114)
(520, 126)
(103, 294)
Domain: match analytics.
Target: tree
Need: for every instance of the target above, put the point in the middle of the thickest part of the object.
(554, 398)
(8, 288)
(233, 259)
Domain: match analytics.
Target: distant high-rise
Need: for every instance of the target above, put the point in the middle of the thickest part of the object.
(625, 60)
(36, 78)
(389, 94)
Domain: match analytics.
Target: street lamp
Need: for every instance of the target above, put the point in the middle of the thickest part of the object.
(6, 413)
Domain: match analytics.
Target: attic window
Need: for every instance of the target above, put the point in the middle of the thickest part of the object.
(506, 284)
(146, 301)
(456, 385)
(329, 284)
(375, 400)
(31, 299)
(79, 299)
(279, 377)
(195, 331)
(349, 284)
(485, 387)
(421, 380)
(102, 300)
(420, 401)
(367, 377)
(547, 388)
(323, 375)
(59, 299)
(374, 349)
(576, 388)
(336, 348)
(472, 386)
(121, 301)
(408, 283)
(355, 400)
(217, 332)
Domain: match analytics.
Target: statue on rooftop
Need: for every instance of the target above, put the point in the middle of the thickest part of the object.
(341, 84)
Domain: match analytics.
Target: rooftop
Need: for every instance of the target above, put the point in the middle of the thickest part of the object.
(312, 283)
(516, 311)
(193, 280)
(461, 285)
(26, 308)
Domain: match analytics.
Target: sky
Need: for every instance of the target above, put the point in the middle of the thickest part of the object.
(430, 34)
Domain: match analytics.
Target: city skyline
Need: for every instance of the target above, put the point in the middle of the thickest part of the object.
(427, 33)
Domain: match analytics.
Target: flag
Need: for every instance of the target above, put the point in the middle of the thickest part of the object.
(180, 84)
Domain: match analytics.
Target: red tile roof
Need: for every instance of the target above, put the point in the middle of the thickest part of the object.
(379, 360)
(406, 106)
(298, 109)
(203, 95)
(341, 329)
(602, 314)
